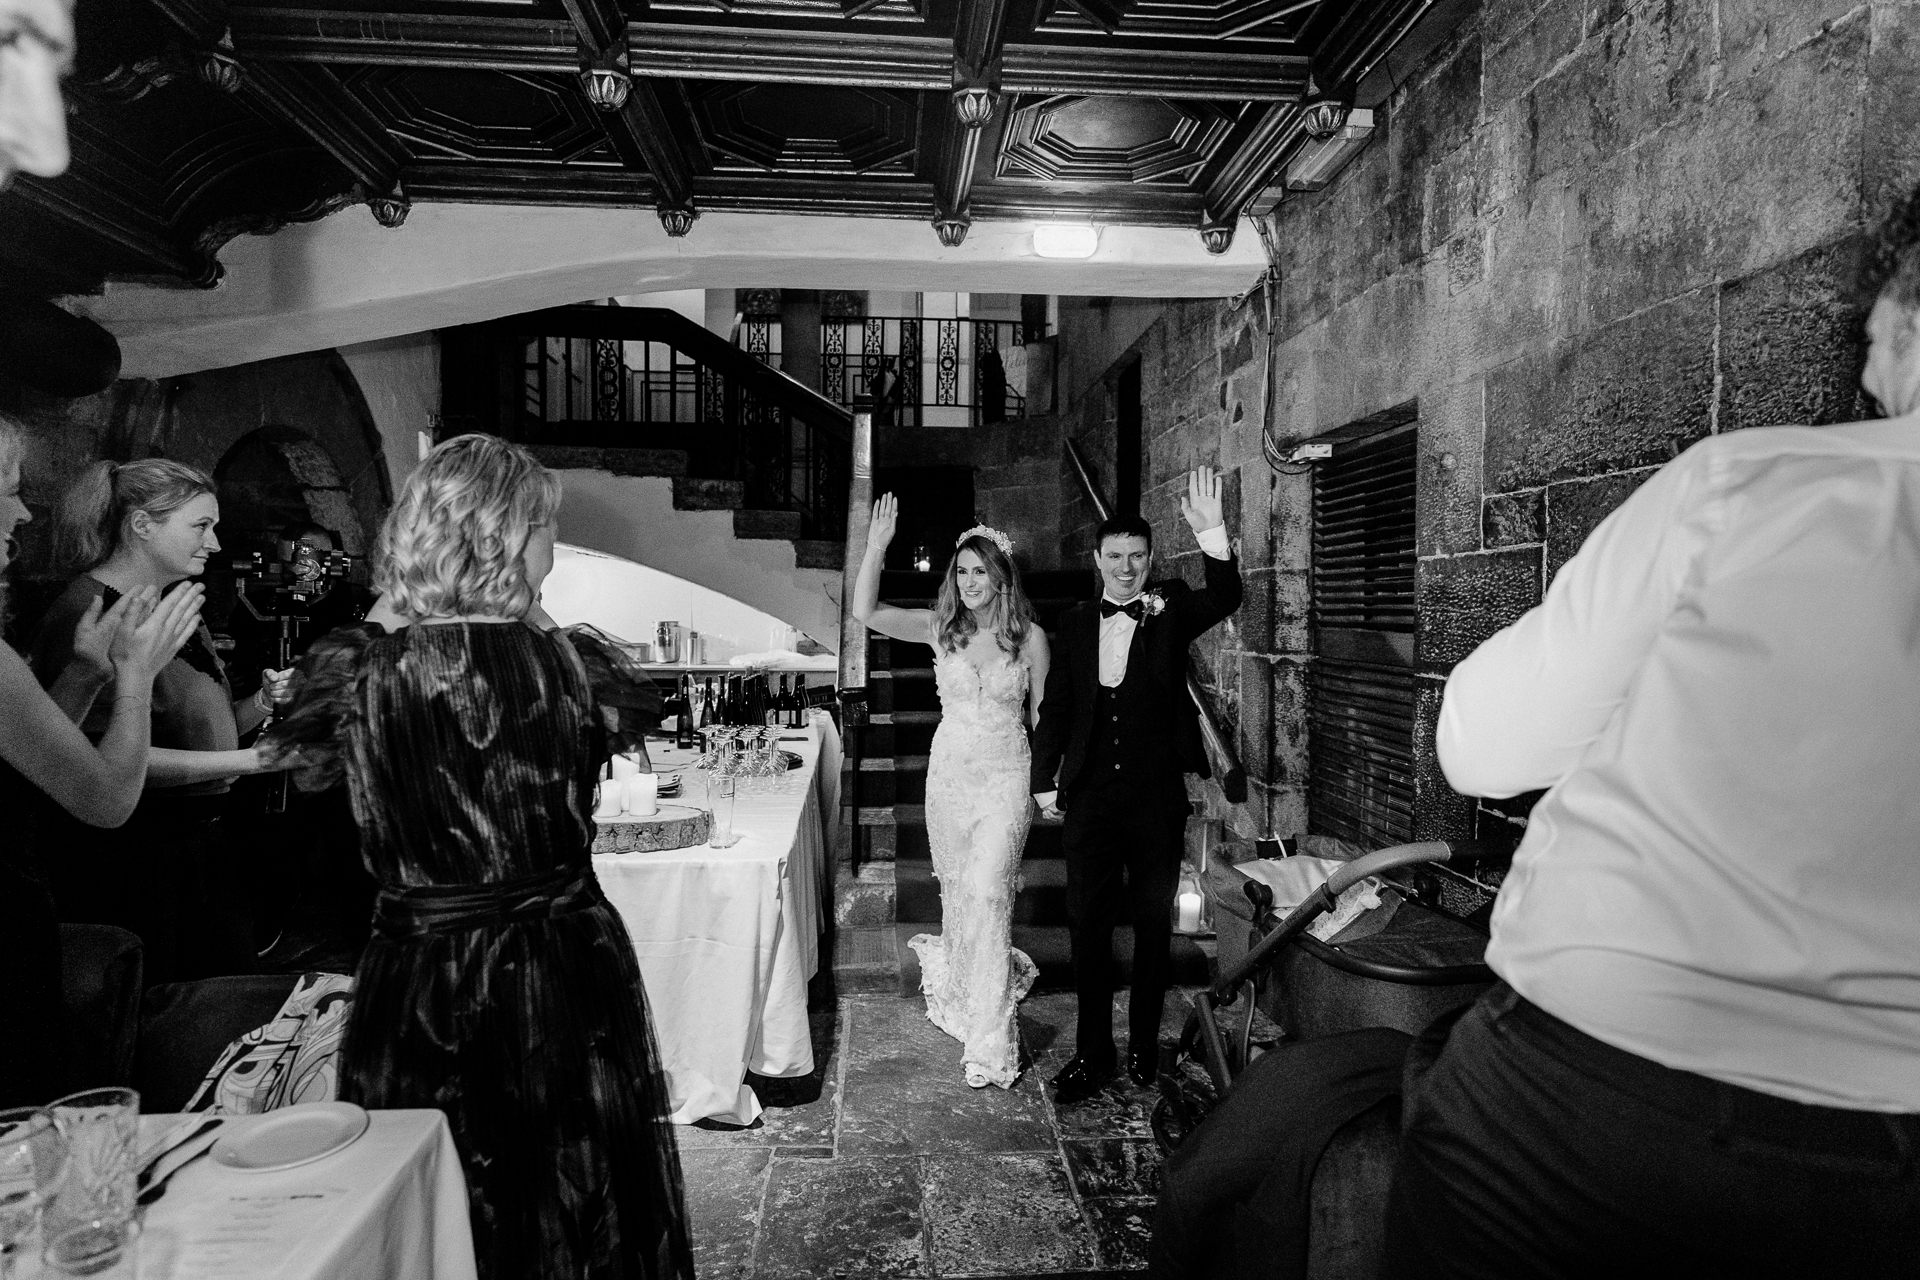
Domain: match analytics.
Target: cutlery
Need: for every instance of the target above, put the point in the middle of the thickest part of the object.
(168, 1140)
(169, 1147)
(159, 1188)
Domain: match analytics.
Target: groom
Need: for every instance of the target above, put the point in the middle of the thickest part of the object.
(1120, 729)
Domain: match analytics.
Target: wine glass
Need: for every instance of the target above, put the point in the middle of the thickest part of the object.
(33, 1159)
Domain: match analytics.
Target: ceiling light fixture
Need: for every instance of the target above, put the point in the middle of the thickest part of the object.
(1065, 240)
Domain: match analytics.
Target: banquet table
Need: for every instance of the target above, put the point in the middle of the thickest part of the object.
(390, 1206)
(728, 938)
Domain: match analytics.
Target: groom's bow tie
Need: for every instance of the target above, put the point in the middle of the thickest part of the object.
(1133, 609)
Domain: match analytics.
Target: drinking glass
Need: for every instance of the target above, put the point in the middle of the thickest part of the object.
(103, 1248)
(33, 1158)
(102, 1129)
(722, 786)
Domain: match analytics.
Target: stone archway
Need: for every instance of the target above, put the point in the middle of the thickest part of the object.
(278, 476)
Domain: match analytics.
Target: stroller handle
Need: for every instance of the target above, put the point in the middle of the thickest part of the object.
(1322, 900)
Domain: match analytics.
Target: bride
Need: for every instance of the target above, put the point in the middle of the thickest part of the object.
(989, 655)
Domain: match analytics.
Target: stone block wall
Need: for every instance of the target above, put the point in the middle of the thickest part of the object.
(1587, 234)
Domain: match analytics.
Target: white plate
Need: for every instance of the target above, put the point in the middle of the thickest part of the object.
(292, 1136)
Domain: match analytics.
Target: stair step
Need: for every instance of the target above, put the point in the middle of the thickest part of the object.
(766, 525)
(621, 462)
(1042, 899)
(867, 899)
(901, 673)
(1050, 947)
(817, 553)
(905, 717)
(893, 764)
(866, 961)
(894, 815)
(910, 842)
(693, 493)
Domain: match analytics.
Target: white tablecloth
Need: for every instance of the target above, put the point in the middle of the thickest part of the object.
(728, 938)
(392, 1206)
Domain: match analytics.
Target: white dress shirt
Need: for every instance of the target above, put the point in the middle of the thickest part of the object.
(1116, 632)
(1722, 690)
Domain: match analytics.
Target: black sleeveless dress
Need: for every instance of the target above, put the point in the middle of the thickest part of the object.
(498, 986)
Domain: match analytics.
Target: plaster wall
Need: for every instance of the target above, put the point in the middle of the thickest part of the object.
(634, 517)
(1587, 235)
(629, 601)
(400, 378)
(346, 279)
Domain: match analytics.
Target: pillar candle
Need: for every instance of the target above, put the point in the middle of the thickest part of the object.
(624, 767)
(643, 791)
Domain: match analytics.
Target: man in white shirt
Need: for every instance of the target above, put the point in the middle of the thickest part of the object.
(1704, 1056)
(1116, 736)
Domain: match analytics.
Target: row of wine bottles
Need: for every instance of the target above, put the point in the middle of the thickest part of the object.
(737, 700)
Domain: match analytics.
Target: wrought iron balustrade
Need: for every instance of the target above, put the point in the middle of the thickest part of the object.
(647, 378)
(923, 371)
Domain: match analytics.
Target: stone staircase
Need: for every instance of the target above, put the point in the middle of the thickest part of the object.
(700, 493)
(897, 873)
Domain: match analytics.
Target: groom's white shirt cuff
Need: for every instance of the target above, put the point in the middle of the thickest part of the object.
(1214, 542)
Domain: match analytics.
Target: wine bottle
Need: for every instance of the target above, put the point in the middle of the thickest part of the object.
(683, 723)
(706, 706)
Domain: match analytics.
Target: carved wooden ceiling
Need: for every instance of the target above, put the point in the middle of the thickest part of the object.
(196, 120)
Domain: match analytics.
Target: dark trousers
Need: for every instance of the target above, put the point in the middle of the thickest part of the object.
(32, 1012)
(1123, 840)
(1234, 1198)
(1532, 1149)
(170, 875)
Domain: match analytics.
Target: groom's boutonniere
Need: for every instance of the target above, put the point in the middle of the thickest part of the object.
(1154, 603)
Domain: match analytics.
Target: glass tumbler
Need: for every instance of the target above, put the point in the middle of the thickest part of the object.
(102, 1129)
(722, 785)
(33, 1159)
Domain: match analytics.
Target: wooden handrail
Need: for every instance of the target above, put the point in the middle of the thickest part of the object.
(1224, 759)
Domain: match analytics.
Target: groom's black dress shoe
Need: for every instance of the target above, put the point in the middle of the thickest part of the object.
(1080, 1080)
(1143, 1067)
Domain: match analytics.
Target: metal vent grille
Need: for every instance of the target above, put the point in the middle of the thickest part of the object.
(1360, 704)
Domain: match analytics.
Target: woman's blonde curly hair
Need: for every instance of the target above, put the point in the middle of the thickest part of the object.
(454, 542)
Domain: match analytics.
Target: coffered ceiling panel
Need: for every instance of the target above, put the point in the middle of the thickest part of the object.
(195, 120)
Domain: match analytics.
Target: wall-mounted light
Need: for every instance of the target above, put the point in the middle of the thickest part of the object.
(1318, 160)
(1065, 240)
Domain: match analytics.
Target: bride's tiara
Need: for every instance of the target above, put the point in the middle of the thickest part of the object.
(992, 535)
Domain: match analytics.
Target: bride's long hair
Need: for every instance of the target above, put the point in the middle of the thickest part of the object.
(1010, 618)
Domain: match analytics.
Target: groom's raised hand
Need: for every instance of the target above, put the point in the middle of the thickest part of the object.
(1201, 503)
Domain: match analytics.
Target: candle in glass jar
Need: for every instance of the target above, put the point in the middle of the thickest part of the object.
(1189, 913)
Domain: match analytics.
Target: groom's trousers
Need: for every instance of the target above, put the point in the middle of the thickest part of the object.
(1123, 840)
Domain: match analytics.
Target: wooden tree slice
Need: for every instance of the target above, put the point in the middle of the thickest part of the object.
(675, 826)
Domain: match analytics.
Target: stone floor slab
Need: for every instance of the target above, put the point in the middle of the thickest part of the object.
(1122, 1228)
(1000, 1214)
(724, 1191)
(785, 1122)
(855, 1218)
(1114, 1166)
(904, 1092)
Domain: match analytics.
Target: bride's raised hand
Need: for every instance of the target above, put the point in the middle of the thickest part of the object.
(886, 517)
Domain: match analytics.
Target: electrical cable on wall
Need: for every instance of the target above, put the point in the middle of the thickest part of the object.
(1269, 285)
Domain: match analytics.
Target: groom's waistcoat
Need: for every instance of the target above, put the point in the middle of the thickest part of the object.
(1132, 737)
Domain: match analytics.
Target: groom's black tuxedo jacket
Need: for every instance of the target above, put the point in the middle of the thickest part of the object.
(1164, 724)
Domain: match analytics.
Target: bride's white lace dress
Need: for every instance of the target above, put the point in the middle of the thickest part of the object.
(978, 811)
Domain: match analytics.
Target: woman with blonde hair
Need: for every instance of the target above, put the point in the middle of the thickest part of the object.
(41, 750)
(169, 875)
(499, 985)
(990, 663)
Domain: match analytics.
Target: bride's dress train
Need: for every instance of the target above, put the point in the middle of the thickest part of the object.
(978, 811)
